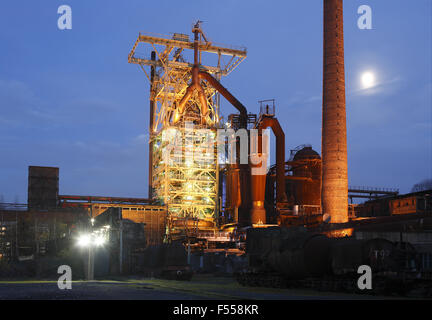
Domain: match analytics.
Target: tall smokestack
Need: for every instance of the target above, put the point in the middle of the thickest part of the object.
(334, 141)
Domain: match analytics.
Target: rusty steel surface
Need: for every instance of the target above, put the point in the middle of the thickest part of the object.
(227, 95)
(184, 92)
(307, 173)
(258, 181)
(334, 136)
(65, 198)
(151, 121)
(194, 86)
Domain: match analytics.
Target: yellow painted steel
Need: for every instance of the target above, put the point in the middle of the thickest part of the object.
(186, 184)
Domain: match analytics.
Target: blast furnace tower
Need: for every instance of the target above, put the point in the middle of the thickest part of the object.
(184, 117)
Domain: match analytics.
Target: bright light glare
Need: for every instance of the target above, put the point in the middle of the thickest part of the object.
(99, 241)
(368, 79)
(84, 240)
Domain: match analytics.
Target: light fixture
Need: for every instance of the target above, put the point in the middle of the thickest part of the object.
(99, 241)
(84, 240)
(91, 239)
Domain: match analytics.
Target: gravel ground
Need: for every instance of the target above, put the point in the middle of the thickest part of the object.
(199, 288)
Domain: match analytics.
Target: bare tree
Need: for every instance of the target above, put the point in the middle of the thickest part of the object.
(425, 184)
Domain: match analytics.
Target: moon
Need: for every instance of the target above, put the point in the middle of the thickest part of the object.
(367, 80)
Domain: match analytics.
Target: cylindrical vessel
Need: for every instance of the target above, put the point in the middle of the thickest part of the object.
(293, 253)
(307, 191)
(258, 183)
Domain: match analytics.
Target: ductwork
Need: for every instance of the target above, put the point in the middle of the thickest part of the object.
(197, 76)
(258, 214)
(227, 95)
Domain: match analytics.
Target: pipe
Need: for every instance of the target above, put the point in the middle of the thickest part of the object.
(280, 155)
(258, 182)
(197, 76)
(152, 103)
(195, 85)
(227, 95)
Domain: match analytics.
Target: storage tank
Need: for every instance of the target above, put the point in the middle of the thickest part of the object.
(238, 193)
(292, 252)
(307, 165)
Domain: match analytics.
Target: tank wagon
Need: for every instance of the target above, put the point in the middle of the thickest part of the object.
(167, 261)
(281, 257)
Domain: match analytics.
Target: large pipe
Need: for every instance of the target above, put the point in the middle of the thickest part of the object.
(197, 76)
(195, 85)
(258, 181)
(334, 139)
(280, 155)
(150, 177)
(227, 95)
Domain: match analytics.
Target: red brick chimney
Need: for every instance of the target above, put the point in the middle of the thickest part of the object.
(334, 137)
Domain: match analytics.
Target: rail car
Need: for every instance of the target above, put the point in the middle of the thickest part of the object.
(167, 261)
(294, 257)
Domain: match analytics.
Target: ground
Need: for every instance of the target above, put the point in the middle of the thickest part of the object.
(199, 288)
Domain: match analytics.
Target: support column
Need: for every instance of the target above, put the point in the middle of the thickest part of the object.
(150, 156)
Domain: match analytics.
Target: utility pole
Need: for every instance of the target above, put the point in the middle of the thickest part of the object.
(90, 260)
(120, 240)
(36, 236)
(121, 247)
(90, 263)
(189, 252)
(16, 236)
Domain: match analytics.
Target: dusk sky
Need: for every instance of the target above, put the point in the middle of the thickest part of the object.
(69, 98)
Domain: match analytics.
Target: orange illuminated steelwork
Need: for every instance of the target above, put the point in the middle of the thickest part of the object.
(184, 93)
(258, 181)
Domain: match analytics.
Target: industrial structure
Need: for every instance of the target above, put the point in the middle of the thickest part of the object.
(334, 141)
(184, 98)
(209, 182)
(188, 176)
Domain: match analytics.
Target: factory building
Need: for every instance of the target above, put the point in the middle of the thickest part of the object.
(410, 203)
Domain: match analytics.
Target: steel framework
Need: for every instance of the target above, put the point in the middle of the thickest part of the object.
(173, 72)
(186, 177)
(183, 175)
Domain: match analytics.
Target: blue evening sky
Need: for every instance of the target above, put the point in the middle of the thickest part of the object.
(70, 99)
